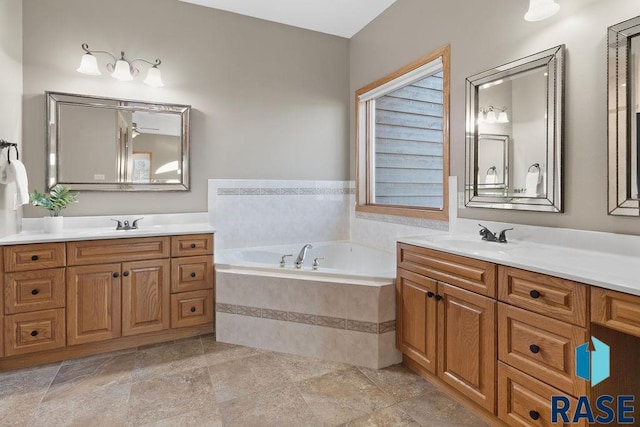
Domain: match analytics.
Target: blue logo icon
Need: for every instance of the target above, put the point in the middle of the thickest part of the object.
(593, 366)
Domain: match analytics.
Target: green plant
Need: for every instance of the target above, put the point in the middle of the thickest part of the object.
(57, 199)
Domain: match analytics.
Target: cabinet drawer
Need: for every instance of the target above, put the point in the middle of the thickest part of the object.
(31, 332)
(541, 347)
(192, 244)
(467, 273)
(616, 310)
(525, 401)
(191, 273)
(191, 308)
(34, 290)
(554, 297)
(117, 250)
(33, 257)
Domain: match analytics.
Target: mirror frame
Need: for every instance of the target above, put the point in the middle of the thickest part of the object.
(553, 59)
(55, 99)
(619, 84)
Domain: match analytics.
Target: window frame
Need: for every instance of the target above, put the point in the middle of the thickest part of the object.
(365, 144)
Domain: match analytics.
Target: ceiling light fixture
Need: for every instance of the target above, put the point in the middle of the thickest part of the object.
(541, 9)
(121, 69)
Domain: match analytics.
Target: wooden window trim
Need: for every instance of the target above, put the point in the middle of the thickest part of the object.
(364, 192)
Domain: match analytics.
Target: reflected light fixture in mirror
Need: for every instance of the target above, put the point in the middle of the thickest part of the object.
(541, 9)
(120, 69)
(488, 115)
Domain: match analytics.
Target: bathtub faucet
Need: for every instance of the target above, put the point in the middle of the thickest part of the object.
(302, 254)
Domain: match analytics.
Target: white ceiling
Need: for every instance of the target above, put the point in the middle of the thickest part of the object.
(338, 17)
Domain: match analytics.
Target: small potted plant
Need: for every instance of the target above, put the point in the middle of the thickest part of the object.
(57, 199)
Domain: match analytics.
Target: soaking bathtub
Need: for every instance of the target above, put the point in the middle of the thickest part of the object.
(344, 311)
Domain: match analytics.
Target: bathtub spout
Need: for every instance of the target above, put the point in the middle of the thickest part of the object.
(302, 254)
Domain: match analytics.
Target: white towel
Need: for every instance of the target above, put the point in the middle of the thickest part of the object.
(531, 183)
(17, 172)
(491, 178)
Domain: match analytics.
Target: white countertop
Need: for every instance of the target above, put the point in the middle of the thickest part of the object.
(93, 233)
(607, 270)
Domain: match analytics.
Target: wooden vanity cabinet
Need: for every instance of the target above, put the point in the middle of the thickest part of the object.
(62, 300)
(448, 330)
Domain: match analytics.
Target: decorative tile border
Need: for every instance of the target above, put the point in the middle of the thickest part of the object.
(413, 222)
(308, 319)
(284, 191)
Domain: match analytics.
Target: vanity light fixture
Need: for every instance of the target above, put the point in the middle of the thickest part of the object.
(541, 9)
(488, 115)
(120, 69)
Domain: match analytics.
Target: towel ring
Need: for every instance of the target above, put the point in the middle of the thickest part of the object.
(535, 165)
(5, 144)
(492, 168)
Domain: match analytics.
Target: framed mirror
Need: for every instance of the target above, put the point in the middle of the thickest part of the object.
(623, 125)
(106, 144)
(514, 123)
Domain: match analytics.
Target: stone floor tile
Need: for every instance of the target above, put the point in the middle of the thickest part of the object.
(179, 356)
(21, 392)
(86, 377)
(209, 417)
(393, 416)
(103, 406)
(343, 396)
(300, 368)
(245, 376)
(169, 395)
(437, 409)
(399, 382)
(218, 352)
(275, 407)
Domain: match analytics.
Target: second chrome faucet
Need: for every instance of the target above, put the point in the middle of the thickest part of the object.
(303, 253)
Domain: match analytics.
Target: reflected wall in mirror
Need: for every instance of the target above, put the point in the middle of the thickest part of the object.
(105, 144)
(623, 124)
(514, 123)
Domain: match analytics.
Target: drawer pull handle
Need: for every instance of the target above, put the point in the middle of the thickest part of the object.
(34, 258)
(534, 349)
(35, 292)
(34, 333)
(193, 309)
(193, 274)
(116, 275)
(438, 297)
(534, 294)
(430, 294)
(535, 415)
(125, 274)
(193, 246)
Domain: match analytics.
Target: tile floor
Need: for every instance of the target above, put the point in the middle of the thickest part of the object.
(201, 382)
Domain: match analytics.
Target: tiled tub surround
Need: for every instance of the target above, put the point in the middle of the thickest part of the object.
(250, 213)
(344, 320)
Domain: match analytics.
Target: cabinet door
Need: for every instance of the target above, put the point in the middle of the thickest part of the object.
(93, 303)
(146, 296)
(416, 318)
(467, 343)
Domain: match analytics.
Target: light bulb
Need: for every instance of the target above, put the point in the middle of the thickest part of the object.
(491, 117)
(154, 78)
(502, 117)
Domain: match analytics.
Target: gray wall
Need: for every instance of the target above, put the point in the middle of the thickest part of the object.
(10, 100)
(269, 101)
(488, 34)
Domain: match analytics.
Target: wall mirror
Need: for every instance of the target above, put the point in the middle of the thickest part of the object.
(623, 124)
(514, 134)
(105, 144)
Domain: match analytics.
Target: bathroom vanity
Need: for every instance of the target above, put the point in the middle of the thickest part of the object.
(503, 339)
(76, 297)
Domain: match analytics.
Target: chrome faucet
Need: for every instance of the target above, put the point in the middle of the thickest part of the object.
(302, 254)
(124, 225)
(489, 236)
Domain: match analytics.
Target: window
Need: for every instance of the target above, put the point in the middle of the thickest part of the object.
(403, 140)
